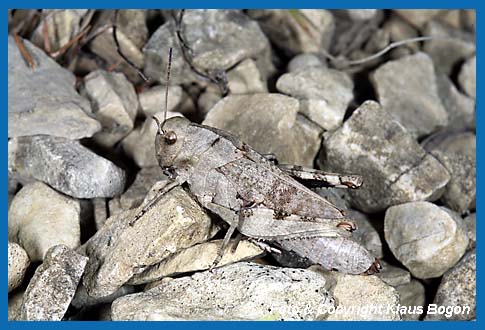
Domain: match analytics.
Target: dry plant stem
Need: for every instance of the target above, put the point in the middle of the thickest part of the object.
(118, 49)
(45, 34)
(24, 51)
(71, 42)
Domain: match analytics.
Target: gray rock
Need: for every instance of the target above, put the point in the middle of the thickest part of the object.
(413, 299)
(246, 78)
(471, 229)
(118, 251)
(305, 60)
(361, 14)
(53, 285)
(460, 108)
(425, 238)
(396, 169)
(325, 94)
(43, 100)
(418, 17)
(366, 235)
(241, 291)
(196, 258)
(62, 26)
(152, 101)
(132, 34)
(297, 31)
(114, 104)
(458, 290)
(360, 298)
(140, 143)
(136, 193)
(100, 212)
(270, 124)
(18, 262)
(407, 89)
(449, 48)
(14, 305)
(392, 275)
(468, 77)
(82, 299)
(40, 218)
(399, 29)
(65, 165)
(227, 38)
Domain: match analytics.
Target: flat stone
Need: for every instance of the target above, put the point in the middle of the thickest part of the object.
(45, 96)
(392, 275)
(152, 101)
(297, 31)
(40, 218)
(196, 258)
(118, 251)
(305, 60)
(62, 26)
(65, 165)
(325, 94)
(136, 193)
(241, 291)
(114, 104)
(132, 34)
(449, 48)
(226, 38)
(425, 238)
(53, 285)
(395, 168)
(140, 143)
(471, 229)
(18, 262)
(353, 293)
(245, 78)
(461, 108)
(458, 289)
(270, 124)
(418, 17)
(407, 89)
(468, 77)
(413, 299)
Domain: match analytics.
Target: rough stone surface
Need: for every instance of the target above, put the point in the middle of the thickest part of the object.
(270, 124)
(392, 275)
(425, 238)
(407, 89)
(458, 288)
(326, 93)
(468, 77)
(136, 193)
(53, 285)
(227, 38)
(114, 104)
(140, 143)
(82, 299)
(397, 170)
(471, 229)
(399, 29)
(40, 218)
(412, 296)
(43, 100)
(118, 251)
(152, 101)
(18, 261)
(14, 305)
(241, 291)
(361, 297)
(305, 60)
(361, 14)
(65, 165)
(297, 31)
(460, 108)
(196, 258)
(246, 78)
(449, 48)
(366, 235)
(418, 17)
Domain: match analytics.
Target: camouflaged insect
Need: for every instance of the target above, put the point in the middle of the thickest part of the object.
(262, 200)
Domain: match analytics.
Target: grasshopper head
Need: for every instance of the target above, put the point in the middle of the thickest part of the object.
(169, 140)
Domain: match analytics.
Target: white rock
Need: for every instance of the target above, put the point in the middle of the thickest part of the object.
(18, 261)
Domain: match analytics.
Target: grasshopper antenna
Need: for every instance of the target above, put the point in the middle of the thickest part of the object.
(169, 66)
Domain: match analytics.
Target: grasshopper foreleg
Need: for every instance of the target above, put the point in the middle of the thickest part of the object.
(316, 178)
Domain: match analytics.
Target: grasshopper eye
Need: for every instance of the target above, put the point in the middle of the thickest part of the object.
(170, 137)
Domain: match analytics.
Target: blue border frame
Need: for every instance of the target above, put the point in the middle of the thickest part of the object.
(410, 4)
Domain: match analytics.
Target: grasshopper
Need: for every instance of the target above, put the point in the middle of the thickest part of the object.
(263, 200)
